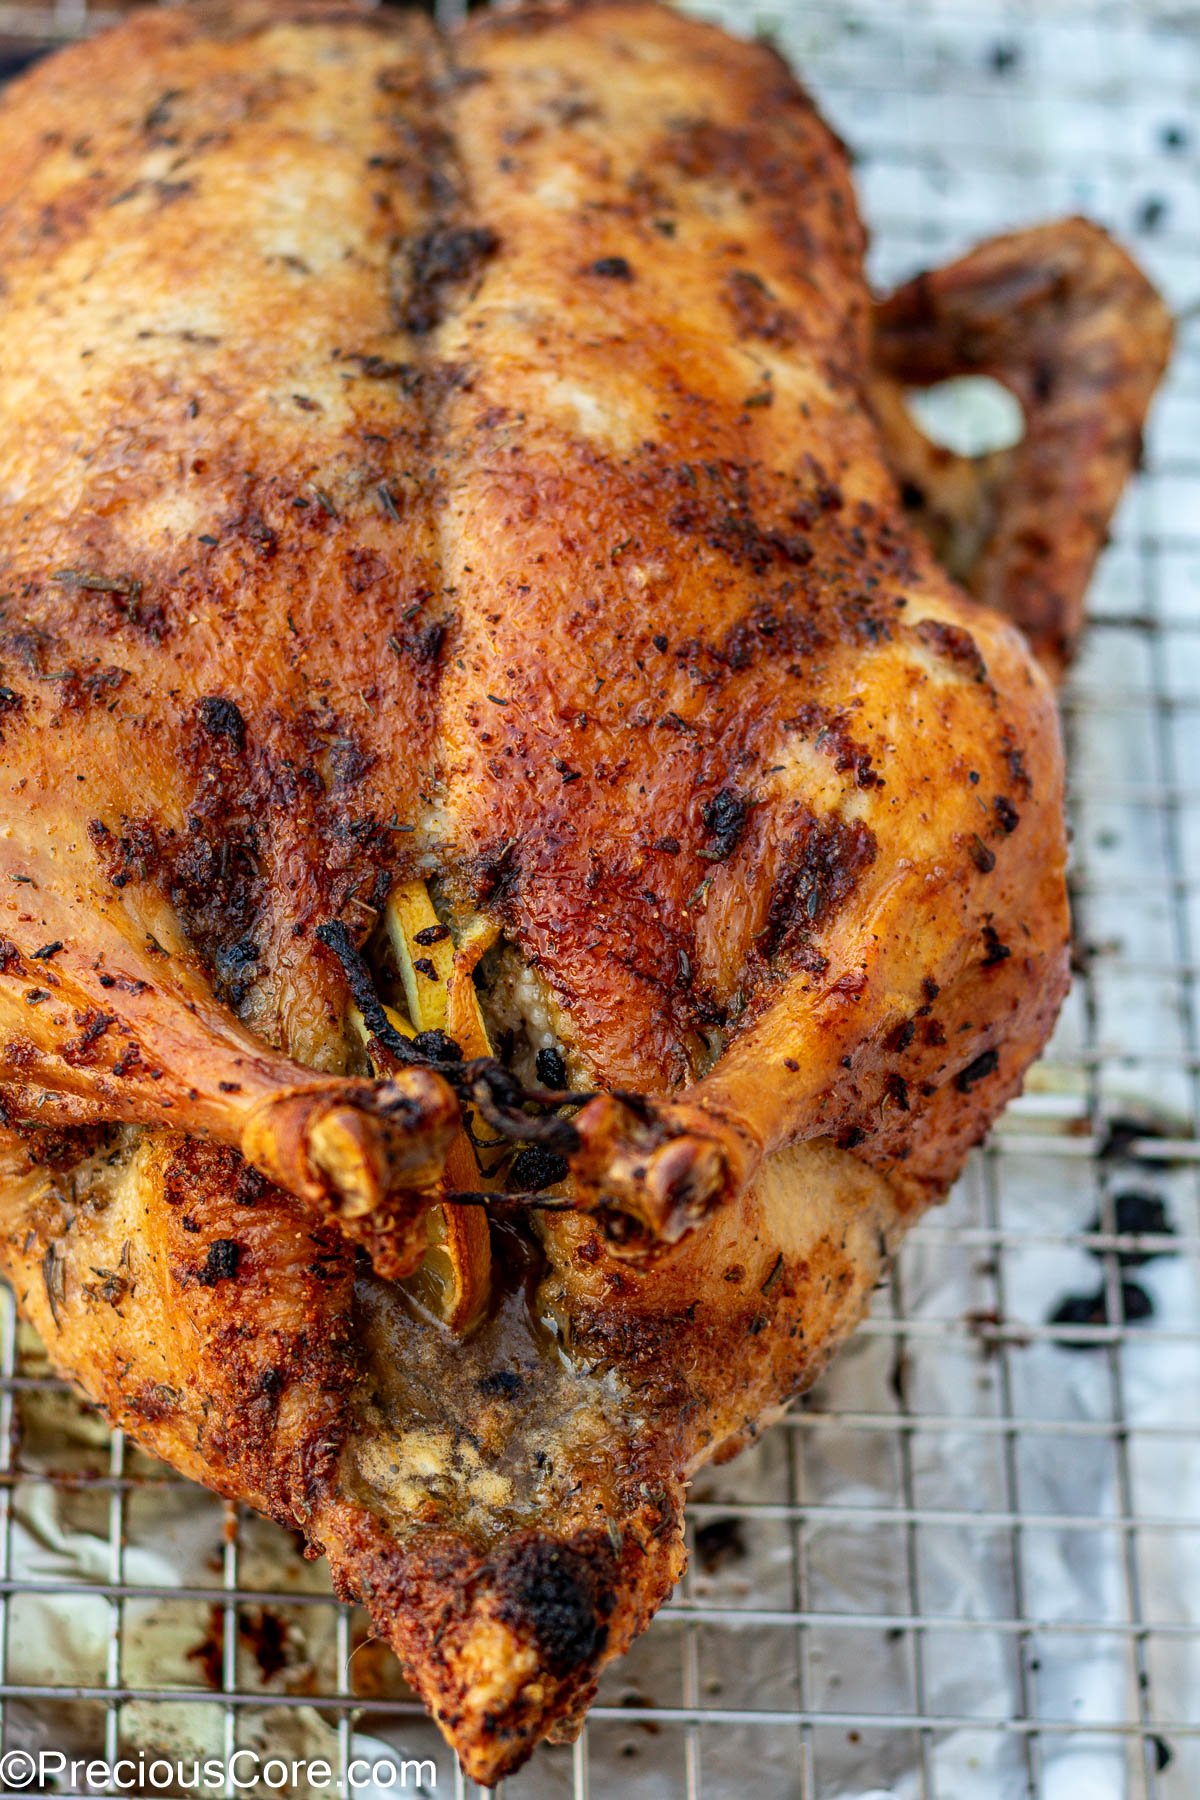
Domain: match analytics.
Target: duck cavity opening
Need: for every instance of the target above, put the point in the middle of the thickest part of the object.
(452, 995)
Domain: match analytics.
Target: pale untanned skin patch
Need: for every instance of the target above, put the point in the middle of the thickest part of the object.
(453, 460)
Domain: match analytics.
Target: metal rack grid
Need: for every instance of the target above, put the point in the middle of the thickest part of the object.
(970, 1564)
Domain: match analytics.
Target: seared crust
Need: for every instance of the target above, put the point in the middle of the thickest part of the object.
(453, 461)
(509, 1509)
(817, 826)
(553, 401)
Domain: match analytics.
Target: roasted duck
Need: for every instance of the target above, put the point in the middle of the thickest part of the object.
(521, 871)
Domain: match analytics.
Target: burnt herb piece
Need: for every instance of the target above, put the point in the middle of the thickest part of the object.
(775, 1272)
(502, 1384)
(611, 268)
(54, 1276)
(536, 1168)
(221, 718)
(983, 858)
(222, 1262)
(499, 1097)
(436, 1047)
(984, 1065)
(724, 818)
(93, 581)
(336, 937)
(495, 1201)
(551, 1067)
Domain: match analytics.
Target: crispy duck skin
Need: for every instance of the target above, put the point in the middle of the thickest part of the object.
(509, 1508)
(478, 461)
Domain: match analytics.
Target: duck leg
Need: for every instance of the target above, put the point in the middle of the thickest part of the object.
(121, 1025)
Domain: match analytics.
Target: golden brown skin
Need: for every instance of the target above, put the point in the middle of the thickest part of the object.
(461, 460)
(508, 1508)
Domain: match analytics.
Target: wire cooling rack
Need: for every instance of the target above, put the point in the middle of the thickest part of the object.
(969, 1565)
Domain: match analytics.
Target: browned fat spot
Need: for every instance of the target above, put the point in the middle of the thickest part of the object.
(431, 265)
(896, 1091)
(954, 644)
(994, 952)
(719, 1543)
(209, 1653)
(265, 1635)
(78, 690)
(132, 854)
(560, 1594)
(195, 1167)
(81, 1050)
(830, 732)
(749, 158)
(155, 1401)
(756, 311)
(818, 869)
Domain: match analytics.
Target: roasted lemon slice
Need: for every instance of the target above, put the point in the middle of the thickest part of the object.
(454, 1278)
